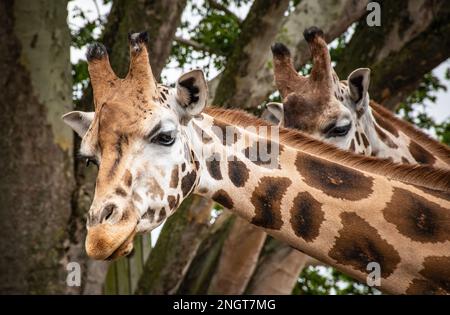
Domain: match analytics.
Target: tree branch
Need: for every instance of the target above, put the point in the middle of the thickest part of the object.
(216, 5)
(407, 37)
(192, 43)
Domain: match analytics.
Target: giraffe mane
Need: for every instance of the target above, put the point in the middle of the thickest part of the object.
(421, 175)
(441, 150)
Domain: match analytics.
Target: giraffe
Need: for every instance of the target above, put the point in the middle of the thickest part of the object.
(155, 146)
(328, 111)
(338, 112)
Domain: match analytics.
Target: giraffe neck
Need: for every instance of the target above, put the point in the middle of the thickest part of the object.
(379, 133)
(344, 216)
(414, 146)
(377, 137)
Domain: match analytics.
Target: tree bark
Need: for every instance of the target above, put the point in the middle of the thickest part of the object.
(238, 258)
(277, 271)
(36, 149)
(251, 52)
(204, 264)
(160, 18)
(411, 33)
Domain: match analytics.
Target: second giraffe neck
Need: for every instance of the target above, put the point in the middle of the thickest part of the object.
(378, 135)
(344, 216)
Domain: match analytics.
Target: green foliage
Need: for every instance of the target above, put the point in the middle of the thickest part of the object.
(81, 35)
(326, 280)
(214, 34)
(414, 109)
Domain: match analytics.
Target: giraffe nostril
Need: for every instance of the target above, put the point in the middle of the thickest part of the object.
(107, 212)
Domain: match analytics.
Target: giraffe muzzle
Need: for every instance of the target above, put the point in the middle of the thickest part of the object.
(106, 241)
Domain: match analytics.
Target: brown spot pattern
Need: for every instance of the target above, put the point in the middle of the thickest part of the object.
(365, 140)
(436, 272)
(222, 197)
(385, 138)
(237, 171)
(213, 166)
(127, 178)
(150, 215)
(263, 154)
(162, 215)
(358, 139)
(173, 202)
(306, 216)
(385, 124)
(266, 198)
(333, 179)
(352, 145)
(417, 218)
(174, 177)
(421, 155)
(358, 244)
(121, 192)
(188, 182)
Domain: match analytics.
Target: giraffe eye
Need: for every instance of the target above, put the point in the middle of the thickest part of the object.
(340, 131)
(164, 138)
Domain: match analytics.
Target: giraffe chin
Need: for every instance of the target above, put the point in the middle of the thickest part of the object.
(125, 249)
(108, 242)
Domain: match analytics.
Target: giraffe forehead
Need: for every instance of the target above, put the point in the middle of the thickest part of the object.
(310, 112)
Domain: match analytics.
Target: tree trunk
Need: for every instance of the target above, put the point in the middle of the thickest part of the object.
(277, 270)
(160, 18)
(204, 264)
(251, 53)
(36, 148)
(412, 33)
(238, 258)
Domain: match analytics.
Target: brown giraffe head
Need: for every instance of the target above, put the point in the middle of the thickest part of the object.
(137, 139)
(318, 104)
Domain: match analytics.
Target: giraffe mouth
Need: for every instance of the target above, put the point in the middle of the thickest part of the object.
(124, 249)
(108, 242)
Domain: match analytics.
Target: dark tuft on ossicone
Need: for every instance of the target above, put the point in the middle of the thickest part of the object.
(311, 32)
(280, 50)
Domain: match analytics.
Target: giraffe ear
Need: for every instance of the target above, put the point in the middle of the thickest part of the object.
(358, 82)
(274, 113)
(79, 121)
(192, 92)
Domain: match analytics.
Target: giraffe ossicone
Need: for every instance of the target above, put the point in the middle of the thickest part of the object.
(149, 141)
